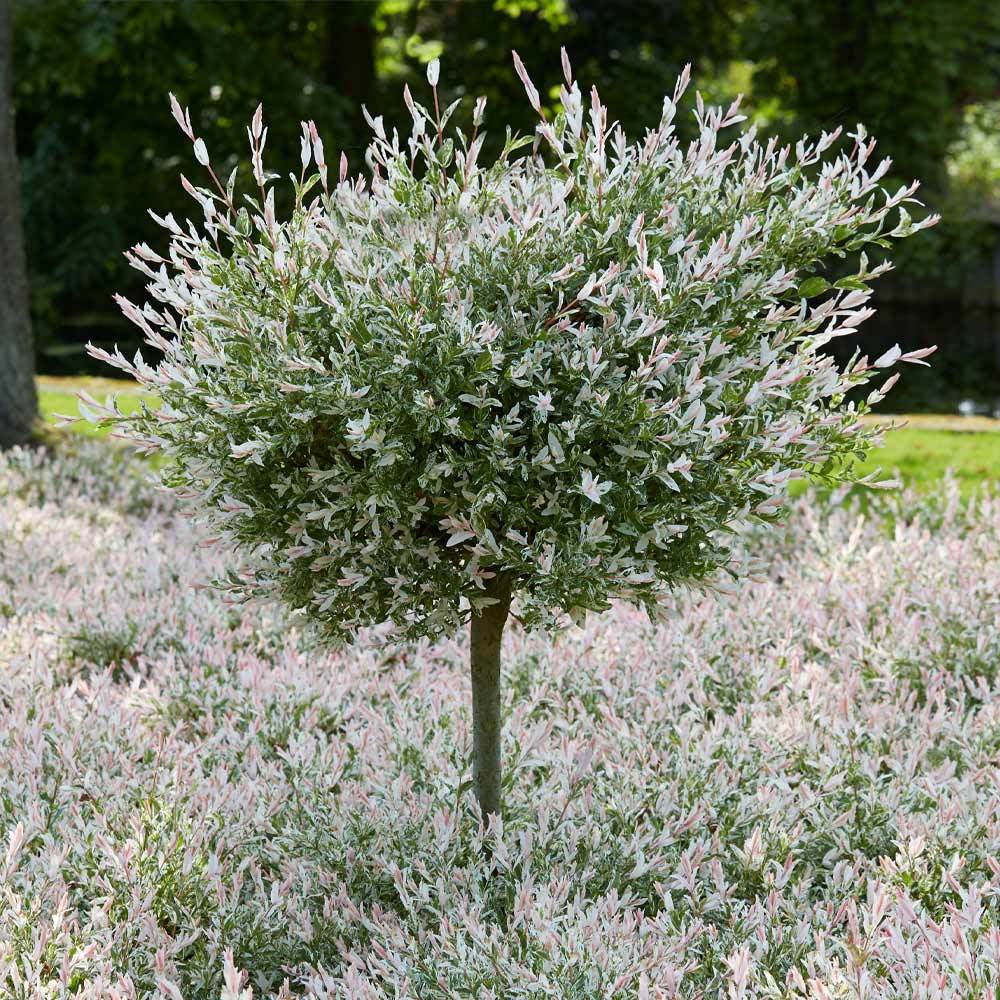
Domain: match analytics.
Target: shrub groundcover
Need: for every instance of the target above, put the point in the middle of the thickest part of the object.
(787, 793)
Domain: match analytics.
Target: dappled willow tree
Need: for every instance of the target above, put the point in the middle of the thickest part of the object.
(529, 386)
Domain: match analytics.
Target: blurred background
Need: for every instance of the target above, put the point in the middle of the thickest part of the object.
(97, 146)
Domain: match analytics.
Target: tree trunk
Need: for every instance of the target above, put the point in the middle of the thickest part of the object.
(18, 401)
(487, 633)
(350, 59)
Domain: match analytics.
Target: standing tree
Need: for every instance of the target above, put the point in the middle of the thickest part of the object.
(569, 376)
(18, 400)
(905, 70)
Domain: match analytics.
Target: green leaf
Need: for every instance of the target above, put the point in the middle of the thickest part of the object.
(813, 286)
(445, 153)
(851, 284)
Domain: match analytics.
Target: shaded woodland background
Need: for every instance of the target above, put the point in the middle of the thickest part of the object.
(97, 145)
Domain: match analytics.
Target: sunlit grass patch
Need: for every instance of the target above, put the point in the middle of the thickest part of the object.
(923, 455)
(928, 446)
(57, 397)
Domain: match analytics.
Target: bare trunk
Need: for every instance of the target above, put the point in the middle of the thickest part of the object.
(487, 633)
(18, 401)
(350, 62)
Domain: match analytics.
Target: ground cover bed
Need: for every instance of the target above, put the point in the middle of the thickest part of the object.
(791, 792)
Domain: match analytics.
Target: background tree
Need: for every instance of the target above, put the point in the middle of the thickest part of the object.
(906, 70)
(557, 379)
(903, 69)
(92, 79)
(18, 402)
(95, 151)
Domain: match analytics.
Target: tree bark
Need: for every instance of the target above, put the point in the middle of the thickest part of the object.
(350, 58)
(18, 400)
(487, 634)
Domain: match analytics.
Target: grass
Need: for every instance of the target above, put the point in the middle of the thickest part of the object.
(57, 397)
(930, 445)
(922, 451)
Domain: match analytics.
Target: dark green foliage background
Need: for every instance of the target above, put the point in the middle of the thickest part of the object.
(98, 146)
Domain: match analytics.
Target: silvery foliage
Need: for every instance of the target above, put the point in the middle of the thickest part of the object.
(590, 363)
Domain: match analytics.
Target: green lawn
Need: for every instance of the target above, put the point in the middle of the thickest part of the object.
(57, 397)
(922, 454)
(922, 451)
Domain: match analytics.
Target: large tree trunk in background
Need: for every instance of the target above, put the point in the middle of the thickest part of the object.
(18, 401)
(487, 725)
(350, 57)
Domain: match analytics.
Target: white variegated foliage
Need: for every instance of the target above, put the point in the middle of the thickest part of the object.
(589, 364)
(791, 794)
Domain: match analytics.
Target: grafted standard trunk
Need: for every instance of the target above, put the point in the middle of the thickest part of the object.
(18, 400)
(487, 633)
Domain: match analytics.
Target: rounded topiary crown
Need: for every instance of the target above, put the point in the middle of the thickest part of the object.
(581, 366)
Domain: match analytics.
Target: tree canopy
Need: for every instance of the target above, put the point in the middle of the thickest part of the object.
(564, 375)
